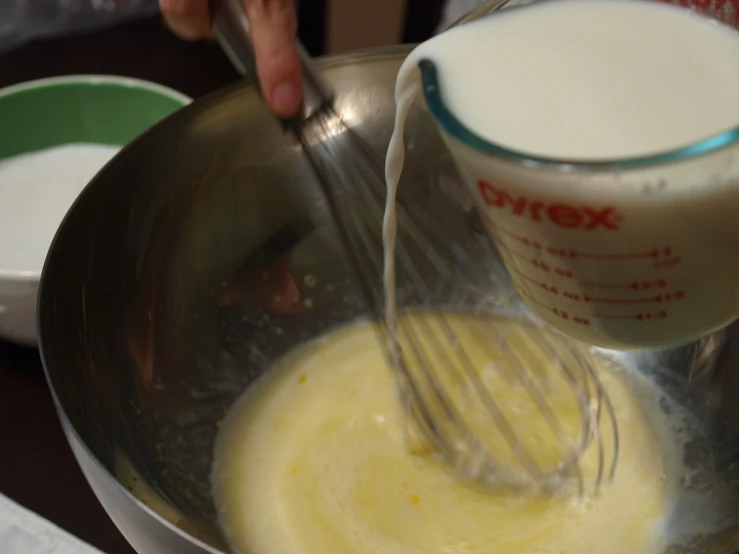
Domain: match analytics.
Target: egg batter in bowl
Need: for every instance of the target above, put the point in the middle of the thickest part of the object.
(313, 460)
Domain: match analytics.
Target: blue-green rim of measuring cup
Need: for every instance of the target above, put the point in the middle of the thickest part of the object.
(454, 127)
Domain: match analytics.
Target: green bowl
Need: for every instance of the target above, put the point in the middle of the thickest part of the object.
(38, 115)
(89, 109)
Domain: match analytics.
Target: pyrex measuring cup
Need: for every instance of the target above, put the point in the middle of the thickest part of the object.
(624, 254)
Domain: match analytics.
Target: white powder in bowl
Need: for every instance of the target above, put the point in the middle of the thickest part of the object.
(36, 190)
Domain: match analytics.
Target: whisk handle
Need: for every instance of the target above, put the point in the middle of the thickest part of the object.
(232, 31)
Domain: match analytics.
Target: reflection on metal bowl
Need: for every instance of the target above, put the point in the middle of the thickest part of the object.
(203, 253)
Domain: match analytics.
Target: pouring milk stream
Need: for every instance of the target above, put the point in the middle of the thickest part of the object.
(598, 139)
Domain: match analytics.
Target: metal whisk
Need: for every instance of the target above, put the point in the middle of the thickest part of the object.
(504, 403)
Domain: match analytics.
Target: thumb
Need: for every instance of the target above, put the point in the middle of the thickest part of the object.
(274, 29)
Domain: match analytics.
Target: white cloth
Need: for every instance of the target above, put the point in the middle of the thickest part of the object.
(24, 532)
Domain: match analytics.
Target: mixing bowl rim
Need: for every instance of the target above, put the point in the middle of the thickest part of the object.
(207, 100)
(68, 427)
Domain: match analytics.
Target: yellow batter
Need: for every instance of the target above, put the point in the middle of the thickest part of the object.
(313, 461)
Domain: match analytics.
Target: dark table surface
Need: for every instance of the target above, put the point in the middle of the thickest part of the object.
(37, 468)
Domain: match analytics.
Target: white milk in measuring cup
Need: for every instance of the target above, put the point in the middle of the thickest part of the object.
(635, 242)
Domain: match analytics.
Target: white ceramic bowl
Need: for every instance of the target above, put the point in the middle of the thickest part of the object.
(46, 114)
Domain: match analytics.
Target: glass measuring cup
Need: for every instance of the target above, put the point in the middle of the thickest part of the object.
(633, 253)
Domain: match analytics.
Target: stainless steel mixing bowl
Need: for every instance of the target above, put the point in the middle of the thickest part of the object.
(205, 250)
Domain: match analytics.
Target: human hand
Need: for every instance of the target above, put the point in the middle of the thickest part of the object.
(273, 25)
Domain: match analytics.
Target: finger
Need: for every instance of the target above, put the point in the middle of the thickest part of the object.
(274, 29)
(188, 19)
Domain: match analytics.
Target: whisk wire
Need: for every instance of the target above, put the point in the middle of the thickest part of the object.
(440, 383)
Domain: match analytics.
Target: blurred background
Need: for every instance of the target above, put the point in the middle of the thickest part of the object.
(42, 38)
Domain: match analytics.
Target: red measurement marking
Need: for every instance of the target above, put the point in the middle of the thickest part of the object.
(547, 287)
(556, 311)
(544, 266)
(634, 285)
(540, 265)
(531, 243)
(655, 253)
(570, 317)
(663, 264)
(561, 313)
(671, 296)
(646, 316)
(565, 216)
(621, 300)
(626, 256)
(526, 242)
(666, 297)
